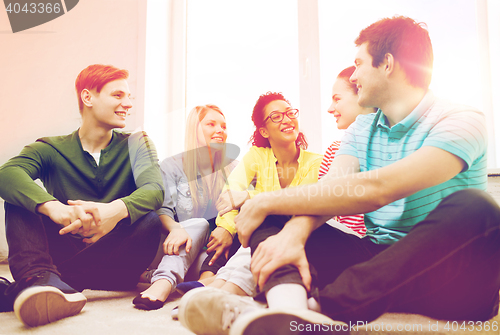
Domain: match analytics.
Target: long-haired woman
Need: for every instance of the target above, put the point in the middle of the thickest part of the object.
(345, 109)
(193, 182)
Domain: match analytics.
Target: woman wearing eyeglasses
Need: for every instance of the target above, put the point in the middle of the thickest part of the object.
(276, 160)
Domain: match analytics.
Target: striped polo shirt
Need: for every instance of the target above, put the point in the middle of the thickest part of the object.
(458, 129)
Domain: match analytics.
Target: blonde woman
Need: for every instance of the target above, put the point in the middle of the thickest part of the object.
(193, 181)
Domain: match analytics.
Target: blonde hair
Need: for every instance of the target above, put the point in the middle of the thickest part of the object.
(191, 159)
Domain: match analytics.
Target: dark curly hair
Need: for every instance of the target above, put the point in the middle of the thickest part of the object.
(258, 120)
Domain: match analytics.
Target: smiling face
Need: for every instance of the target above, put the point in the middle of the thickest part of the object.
(369, 80)
(109, 107)
(212, 129)
(284, 132)
(345, 107)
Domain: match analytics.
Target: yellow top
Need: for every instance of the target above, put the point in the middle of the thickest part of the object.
(260, 163)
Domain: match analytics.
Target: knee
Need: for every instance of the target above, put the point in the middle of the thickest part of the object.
(476, 200)
(198, 223)
(196, 227)
(476, 207)
(13, 210)
(272, 225)
(149, 223)
(203, 227)
(19, 218)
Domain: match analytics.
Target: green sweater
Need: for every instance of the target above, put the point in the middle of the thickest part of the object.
(128, 170)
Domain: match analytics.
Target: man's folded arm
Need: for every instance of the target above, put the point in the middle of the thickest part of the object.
(17, 185)
(364, 192)
(150, 191)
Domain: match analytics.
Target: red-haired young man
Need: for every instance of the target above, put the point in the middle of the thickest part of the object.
(95, 226)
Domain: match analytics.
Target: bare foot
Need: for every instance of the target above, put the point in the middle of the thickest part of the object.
(217, 283)
(159, 290)
(207, 278)
(229, 287)
(234, 289)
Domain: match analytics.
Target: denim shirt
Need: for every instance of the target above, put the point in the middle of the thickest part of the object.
(178, 203)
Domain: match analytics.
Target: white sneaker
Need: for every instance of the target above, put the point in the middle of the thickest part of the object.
(211, 311)
(283, 321)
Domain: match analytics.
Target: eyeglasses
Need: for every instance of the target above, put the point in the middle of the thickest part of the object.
(277, 117)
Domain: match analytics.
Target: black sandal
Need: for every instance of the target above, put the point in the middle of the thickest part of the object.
(146, 304)
(6, 302)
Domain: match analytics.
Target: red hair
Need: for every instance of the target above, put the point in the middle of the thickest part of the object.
(95, 77)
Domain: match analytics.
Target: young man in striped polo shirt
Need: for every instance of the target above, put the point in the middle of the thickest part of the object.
(417, 169)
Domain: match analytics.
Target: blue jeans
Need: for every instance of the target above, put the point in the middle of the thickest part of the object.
(447, 267)
(114, 262)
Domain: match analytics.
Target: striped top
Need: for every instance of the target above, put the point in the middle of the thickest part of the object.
(460, 130)
(354, 222)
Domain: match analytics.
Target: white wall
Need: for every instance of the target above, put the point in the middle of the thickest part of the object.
(38, 68)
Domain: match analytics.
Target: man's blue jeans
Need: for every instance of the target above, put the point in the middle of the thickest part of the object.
(447, 267)
(114, 262)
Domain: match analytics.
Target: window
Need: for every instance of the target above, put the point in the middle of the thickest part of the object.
(238, 50)
(455, 30)
(228, 52)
